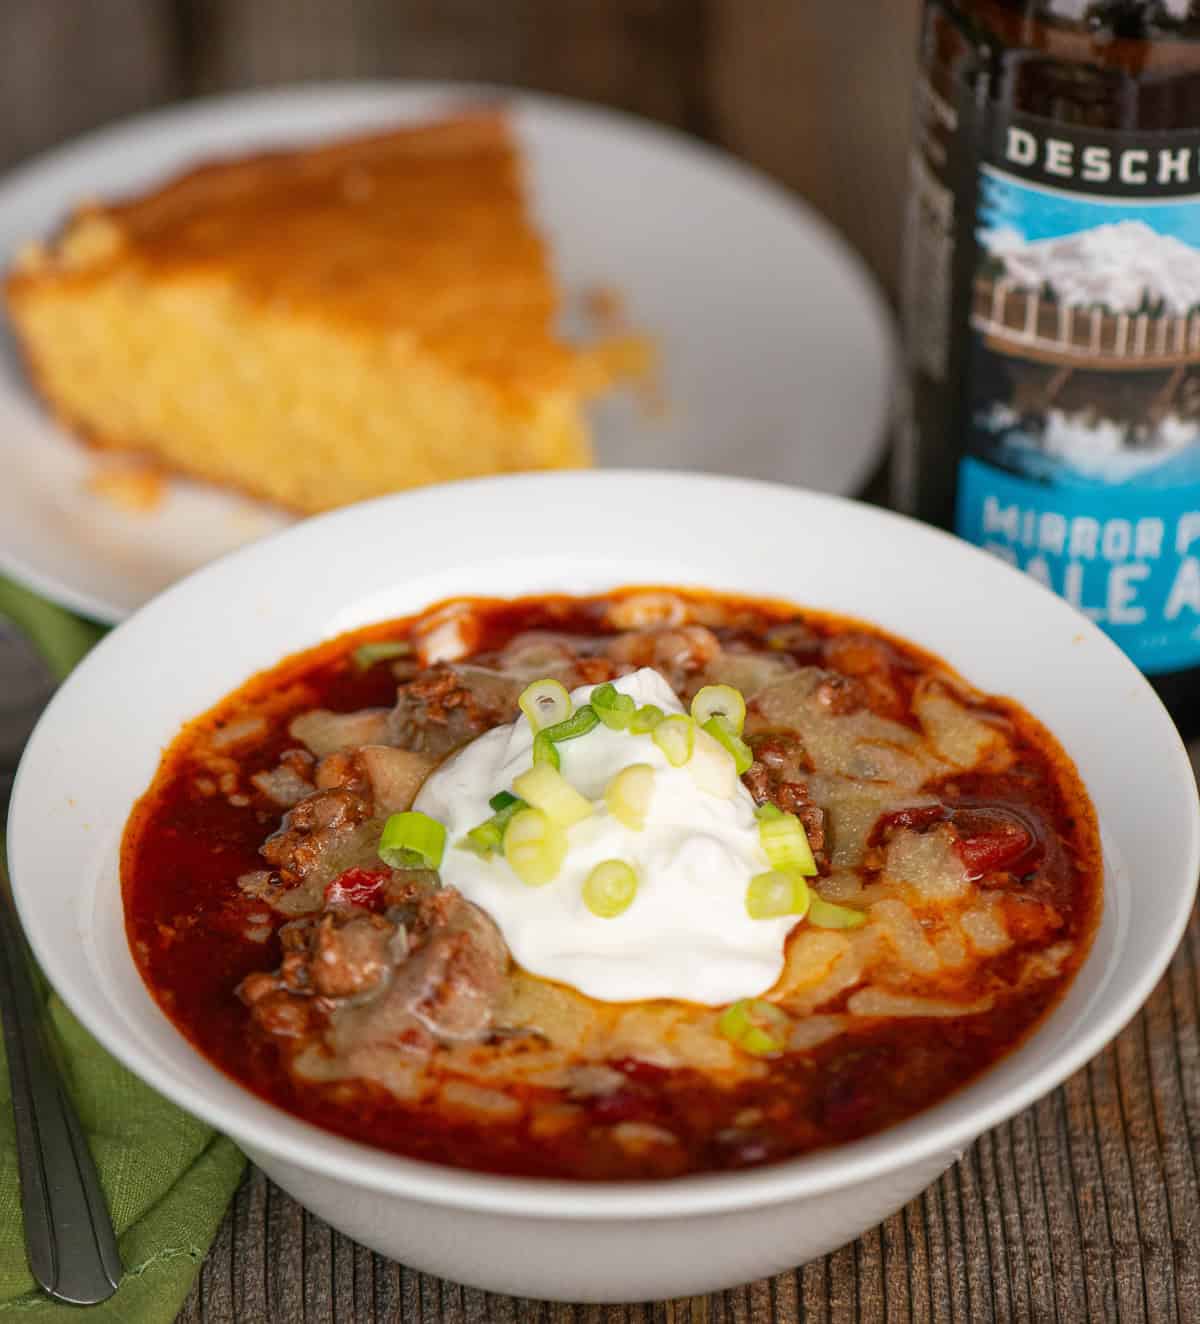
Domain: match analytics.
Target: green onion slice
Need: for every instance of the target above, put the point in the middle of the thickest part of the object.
(579, 724)
(544, 751)
(712, 768)
(545, 702)
(609, 889)
(582, 721)
(826, 915)
(645, 719)
(676, 737)
(534, 847)
(628, 795)
(545, 788)
(484, 838)
(780, 892)
(366, 655)
(757, 1027)
(414, 833)
(487, 838)
(720, 701)
(786, 843)
(728, 739)
(612, 707)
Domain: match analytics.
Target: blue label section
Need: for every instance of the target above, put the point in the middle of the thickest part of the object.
(1127, 557)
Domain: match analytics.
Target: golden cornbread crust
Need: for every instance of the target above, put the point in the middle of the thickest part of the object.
(314, 326)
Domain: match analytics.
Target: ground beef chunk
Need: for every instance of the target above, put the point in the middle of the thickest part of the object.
(386, 776)
(294, 972)
(351, 957)
(341, 771)
(431, 968)
(777, 775)
(447, 988)
(780, 764)
(758, 782)
(274, 1008)
(677, 652)
(319, 824)
(872, 666)
(783, 755)
(841, 695)
(447, 706)
(345, 953)
(813, 819)
(455, 970)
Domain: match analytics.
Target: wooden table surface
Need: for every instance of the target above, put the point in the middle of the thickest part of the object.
(1084, 1208)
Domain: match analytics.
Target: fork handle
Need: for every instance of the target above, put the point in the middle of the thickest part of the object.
(69, 1235)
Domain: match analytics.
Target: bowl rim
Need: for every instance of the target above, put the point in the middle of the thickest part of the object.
(249, 1121)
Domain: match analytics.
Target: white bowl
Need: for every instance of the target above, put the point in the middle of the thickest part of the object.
(98, 745)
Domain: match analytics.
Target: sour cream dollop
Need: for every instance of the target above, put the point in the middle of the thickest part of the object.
(687, 934)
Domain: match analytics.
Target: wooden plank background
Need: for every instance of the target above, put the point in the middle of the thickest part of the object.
(1084, 1208)
(815, 91)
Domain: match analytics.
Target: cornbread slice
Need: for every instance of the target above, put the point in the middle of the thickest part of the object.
(315, 326)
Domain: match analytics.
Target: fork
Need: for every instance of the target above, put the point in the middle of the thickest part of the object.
(69, 1235)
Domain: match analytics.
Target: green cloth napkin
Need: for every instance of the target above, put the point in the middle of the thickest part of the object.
(167, 1176)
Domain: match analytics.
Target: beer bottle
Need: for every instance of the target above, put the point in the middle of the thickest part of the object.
(1051, 302)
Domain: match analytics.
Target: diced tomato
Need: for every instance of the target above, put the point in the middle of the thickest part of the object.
(357, 887)
(917, 819)
(1000, 848)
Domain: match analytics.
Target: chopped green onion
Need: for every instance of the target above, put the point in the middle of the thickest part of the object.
(484, 838)
(724, 735)
(777, 893)
(785, 842)
(582, 721)
(646, 719)
(545, 788)
(534, 847)
(545, 703)
(487, 838)
(366, 655)
(609, 889)
(711, 767)
(505, 815)
(544, 751)
(501, 800)
(628, 795)
(720, 701)
(676, 737)
(826, 915)
(757, 1027)
(612, 707)
(412, 832)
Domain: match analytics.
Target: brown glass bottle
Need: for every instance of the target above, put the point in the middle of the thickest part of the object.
(1052, 308)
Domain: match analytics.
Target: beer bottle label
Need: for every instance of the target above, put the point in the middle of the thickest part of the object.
(1053, 298)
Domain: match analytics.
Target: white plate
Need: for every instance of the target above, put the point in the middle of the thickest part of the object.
(778, 349)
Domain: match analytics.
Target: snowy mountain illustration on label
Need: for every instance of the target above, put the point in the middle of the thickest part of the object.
(1124, 267)
(1090, 364)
